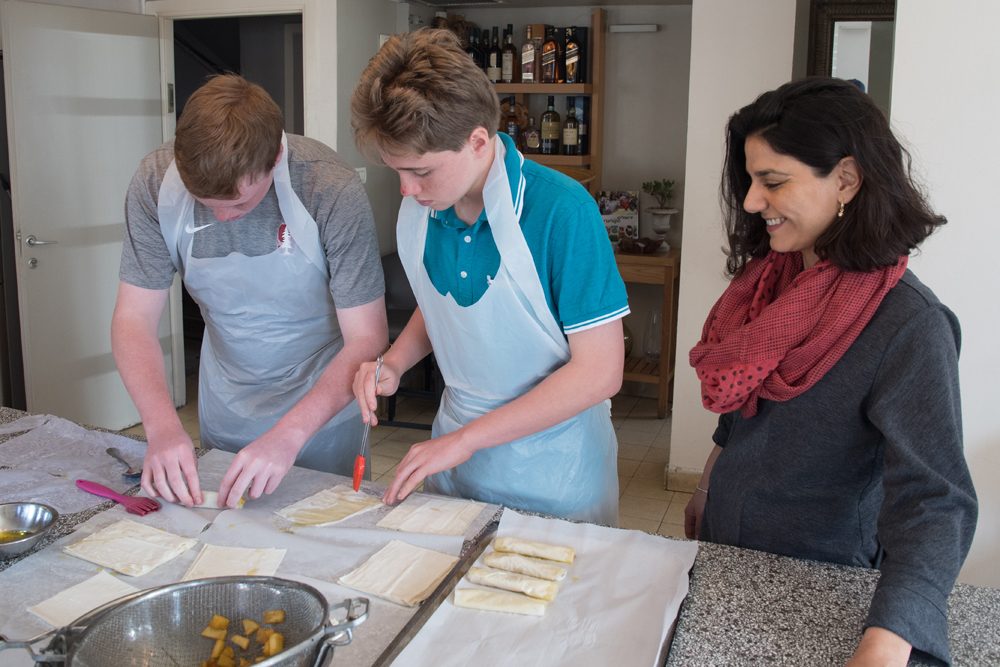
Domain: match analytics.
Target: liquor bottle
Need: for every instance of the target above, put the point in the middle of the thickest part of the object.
(474, 51)
(571, 129)
(493, 58)
(572, 50)
(582, 113)
(551, 58)
(509, 71)
(551, 129)
(532, 137)
(528, 72)
(508, 122)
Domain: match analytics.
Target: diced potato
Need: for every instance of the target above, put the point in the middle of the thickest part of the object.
(274, 616)
(249, 626)
(244, 662)
(214, 633)
(217, 649)
(275, 644)
(240, 641)
(262, 634)
(226, 661)
(219, 622)
(228, 651)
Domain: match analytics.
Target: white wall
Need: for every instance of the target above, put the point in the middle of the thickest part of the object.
(736, 54)
(945, 103)
(128, 6)
(361, 22)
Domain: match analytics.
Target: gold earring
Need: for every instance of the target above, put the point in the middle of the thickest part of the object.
(840, 213)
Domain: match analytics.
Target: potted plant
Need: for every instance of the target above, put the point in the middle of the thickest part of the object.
(663, 191)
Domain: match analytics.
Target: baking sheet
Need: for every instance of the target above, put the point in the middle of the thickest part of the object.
(623, 592)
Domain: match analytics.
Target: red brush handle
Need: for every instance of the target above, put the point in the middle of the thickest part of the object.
(359, 471)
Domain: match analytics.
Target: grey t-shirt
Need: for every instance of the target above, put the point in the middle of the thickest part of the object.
(328, 188)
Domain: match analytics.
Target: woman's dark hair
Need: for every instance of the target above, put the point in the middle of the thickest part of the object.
(819, 121)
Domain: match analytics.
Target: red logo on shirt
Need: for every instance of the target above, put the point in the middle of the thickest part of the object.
(284, 239)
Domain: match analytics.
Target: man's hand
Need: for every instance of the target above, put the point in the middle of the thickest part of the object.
(258, 468)
(423, 459)
(169, 469)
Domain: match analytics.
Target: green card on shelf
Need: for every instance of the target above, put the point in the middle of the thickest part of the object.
(620, 210)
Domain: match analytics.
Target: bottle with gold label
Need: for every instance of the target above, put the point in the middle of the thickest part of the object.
(532, 138)
(528, 73)
(572, 50)
(551, 129)
(552, 60)
(508, 121)
(571, 129)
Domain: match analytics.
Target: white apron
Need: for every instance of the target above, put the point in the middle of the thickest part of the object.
(270, 327)
(495, 351)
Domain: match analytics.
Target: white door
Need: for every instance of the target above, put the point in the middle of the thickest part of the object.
(83, 108)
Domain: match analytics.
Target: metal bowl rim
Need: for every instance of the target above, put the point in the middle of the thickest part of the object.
(52, 510)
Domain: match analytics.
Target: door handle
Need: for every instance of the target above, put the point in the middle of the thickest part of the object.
(33, 240)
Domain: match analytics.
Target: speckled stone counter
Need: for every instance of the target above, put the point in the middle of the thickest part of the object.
(752, 608)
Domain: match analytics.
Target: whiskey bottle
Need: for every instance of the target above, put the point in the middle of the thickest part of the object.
(551, 129)
(532, 137)
(582, 112)
(528, 73)
(573, 69)
(508, 122)
(552, 59)
(509, 71)
(571, 129)
(493, 58)
(474, 51)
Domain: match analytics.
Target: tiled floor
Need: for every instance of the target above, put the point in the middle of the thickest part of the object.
(643, 443)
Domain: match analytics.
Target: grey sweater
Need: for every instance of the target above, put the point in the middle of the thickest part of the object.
(866, 468)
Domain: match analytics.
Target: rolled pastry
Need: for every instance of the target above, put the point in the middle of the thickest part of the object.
(511, 581)
(210, 500)
(536, 549)
(524, 565)
(512, 603)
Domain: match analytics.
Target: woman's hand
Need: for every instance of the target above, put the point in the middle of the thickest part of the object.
(693, 513)
(367, 393)
(423, 459)
(880, 648)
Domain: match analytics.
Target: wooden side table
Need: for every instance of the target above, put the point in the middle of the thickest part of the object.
(656, 269)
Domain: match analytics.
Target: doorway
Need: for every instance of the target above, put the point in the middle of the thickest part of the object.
(266, 50)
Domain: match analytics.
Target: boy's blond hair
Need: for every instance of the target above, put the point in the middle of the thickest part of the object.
(229, 129)
(421, 93)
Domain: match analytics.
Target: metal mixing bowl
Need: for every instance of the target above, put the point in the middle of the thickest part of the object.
(33, 519)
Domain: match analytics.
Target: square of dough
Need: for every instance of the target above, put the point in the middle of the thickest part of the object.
(512, 603)
(216, 561)
(130, 548)
(437, 516)
(401, 573)
(329, 506)
(68, 605)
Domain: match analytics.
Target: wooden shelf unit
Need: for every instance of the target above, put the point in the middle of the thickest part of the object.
(575, 165)
(655, 269)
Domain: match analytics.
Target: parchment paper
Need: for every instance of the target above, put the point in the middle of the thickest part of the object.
(624, 589)
(43, 464)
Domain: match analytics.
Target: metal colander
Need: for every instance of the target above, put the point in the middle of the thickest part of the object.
(162, 627)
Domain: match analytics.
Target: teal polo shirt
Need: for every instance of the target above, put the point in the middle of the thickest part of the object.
(565, 235)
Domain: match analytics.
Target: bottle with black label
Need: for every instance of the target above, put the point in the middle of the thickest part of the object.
(552, 60)
(551, 129)
(572, 50)
(571, 129)
(509, 70)
(474, 51)
(532, 137)
(582, 114)
(493, 59)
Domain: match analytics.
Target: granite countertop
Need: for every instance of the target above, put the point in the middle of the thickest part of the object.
(748, 607)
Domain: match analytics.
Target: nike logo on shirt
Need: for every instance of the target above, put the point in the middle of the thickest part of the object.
(191, 229)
